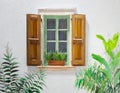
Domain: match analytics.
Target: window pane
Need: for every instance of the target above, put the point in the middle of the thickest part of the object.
(62, 23)
(51, 46)
(62, 47)
(50, 35)
(62, 35)
(51, 24)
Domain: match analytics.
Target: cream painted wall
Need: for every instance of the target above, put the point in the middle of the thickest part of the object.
(102, 17)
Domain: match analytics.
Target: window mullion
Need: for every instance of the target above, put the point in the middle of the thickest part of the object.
(57, 43)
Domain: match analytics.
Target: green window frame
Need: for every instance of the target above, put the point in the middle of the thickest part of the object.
(56, 29)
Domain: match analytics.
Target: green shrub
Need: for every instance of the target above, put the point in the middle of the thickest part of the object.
(105, 76)
(11, 83)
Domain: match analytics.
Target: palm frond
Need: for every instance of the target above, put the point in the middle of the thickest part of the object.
(11, 83)
(33, 82)
(8, 73)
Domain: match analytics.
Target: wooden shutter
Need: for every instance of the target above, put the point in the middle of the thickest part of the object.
(78, 40)
(33, 40)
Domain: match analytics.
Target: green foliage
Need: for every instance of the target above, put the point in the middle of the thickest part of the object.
(55, 56)
(110, 44)
(8, 73)
(105, 76)
(62, 56)
(90, 79)
(104, 62)
(32, 82)
(11, 83)
(48, 56)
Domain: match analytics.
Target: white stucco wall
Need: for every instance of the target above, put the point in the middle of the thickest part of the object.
(102, 17)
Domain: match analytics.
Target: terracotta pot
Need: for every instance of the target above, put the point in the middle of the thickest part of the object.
(56, 62)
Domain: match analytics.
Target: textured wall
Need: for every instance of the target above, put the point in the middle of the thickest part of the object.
(102, 18)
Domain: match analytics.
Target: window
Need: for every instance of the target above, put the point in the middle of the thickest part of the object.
(57, 29)
(56, 34)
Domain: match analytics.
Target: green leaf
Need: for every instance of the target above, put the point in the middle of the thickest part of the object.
(115, 40)
(101, 60)
(6, 73)
(13, 71)
(14, 63)
(116, 76)
(100, 37)
(14, 67)
(6, 63)
(117, 55)
(78, 82)
(6, 69)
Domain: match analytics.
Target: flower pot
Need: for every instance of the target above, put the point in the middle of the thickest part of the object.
(56, 62)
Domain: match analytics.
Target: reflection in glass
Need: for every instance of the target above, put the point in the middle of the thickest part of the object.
(50, 35)
(62, 35)
(51, 46)
(51, 24)
(62, 47)
(62, 23)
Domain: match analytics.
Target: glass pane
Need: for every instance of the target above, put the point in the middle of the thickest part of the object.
(62, 23)
(62, 47)
(51, 24)
(50, 35)
(62, 35)
(51, 46)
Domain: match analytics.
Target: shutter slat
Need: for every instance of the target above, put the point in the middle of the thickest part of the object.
(33, 40)
(78, 40)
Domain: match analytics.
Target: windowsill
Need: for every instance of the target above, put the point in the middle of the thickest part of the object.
(56, 67)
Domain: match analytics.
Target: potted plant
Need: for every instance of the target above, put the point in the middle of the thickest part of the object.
(56, 59)
(103, 77)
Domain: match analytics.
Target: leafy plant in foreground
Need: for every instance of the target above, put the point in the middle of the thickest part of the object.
(8, 73)
(104, 77)
(11, 83)
(32, 82)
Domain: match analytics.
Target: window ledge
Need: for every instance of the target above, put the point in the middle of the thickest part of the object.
(59, 10)
(56, 67)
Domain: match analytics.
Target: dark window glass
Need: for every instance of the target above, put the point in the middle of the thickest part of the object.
(62, 23)
(51, 23)
(62, 35)
(50, 35)
(62, 47)
(51, 46)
